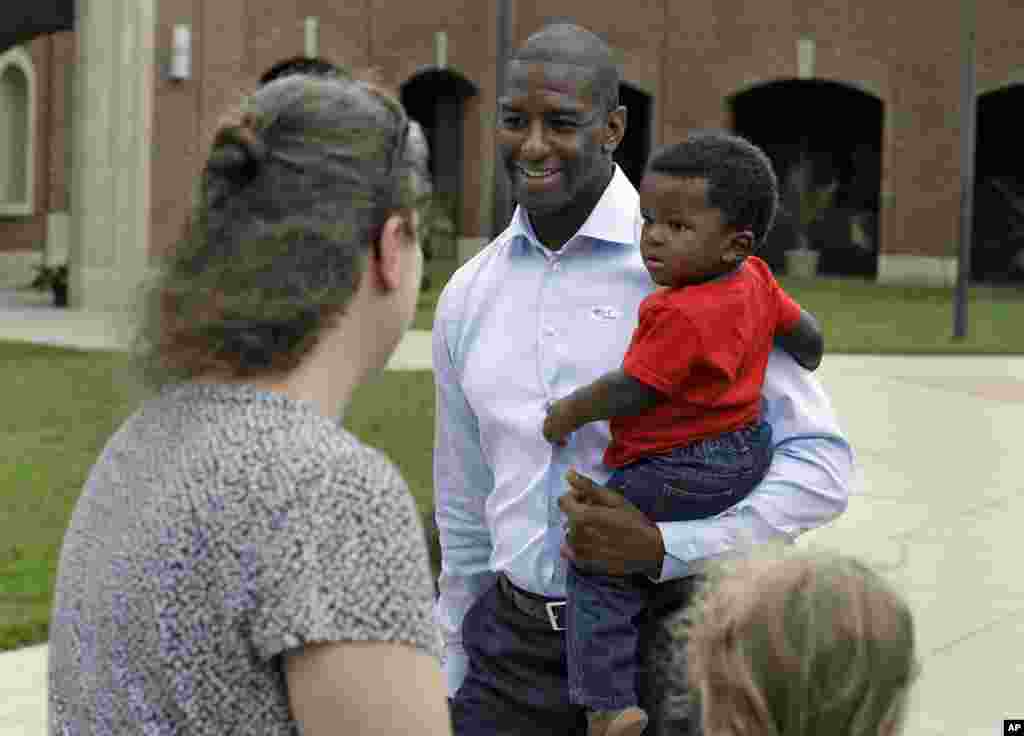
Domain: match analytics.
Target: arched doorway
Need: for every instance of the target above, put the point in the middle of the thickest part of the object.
(836, 131)
(17, 152)
(435, 98)
(997, 246)
(635, 147)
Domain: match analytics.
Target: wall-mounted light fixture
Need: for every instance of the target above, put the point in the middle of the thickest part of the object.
(181, 54)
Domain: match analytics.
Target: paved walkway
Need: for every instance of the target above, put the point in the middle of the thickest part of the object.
(939, 503)
(27, 316)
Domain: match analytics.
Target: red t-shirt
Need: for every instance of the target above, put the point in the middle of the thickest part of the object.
(706, 348)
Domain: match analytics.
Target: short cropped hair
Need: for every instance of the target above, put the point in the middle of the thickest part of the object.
(741, 181)
(569, 43)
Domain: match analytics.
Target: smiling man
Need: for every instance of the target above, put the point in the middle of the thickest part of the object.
(557, 128)
(547, 307)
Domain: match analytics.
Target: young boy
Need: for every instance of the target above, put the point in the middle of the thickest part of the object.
(687, 438)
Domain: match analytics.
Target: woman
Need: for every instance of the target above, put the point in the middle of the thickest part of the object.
(237, 562)
(787, 643)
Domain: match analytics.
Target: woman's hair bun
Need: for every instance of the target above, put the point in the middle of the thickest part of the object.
(238, 148)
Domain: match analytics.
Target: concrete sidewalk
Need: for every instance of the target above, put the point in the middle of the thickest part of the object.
(940, 497)
(27, 316)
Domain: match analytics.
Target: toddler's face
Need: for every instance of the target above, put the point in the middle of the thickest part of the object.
(684, 238)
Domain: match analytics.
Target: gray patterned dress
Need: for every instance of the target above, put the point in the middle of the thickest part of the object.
(221, 527)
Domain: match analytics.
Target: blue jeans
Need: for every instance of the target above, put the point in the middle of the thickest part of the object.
(695, 481)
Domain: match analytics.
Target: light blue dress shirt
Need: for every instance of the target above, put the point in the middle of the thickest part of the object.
(519, 326)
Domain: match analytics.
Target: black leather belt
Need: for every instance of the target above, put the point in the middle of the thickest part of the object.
(549, 610)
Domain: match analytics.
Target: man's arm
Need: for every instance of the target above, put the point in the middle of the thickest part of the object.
(615, 394)
(804, 341)
(807, 486)
(462, 481)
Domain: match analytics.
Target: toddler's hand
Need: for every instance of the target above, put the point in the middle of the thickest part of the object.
(558, 424)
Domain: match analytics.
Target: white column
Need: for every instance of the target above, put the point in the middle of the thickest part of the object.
(312, 37)
(113, 123)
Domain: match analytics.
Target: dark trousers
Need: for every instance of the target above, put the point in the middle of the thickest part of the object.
(691, 482)
(517, 682)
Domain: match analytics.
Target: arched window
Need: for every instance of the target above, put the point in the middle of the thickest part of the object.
(820, 135)
(17, 133)
(997, 246)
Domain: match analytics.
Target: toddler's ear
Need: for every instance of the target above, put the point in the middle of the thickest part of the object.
(744, 239)
(741, 245)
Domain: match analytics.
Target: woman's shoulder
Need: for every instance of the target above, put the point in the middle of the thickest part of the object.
(240, 433)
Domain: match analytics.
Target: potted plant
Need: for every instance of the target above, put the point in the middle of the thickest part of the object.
(807, 204)
(54, 278)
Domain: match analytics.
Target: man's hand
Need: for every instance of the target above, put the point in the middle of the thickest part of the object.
(559, 422)
(606, 533)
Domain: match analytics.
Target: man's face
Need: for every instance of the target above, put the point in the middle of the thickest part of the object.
(550, 134)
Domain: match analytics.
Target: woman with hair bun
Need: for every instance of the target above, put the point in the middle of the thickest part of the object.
(237, 562)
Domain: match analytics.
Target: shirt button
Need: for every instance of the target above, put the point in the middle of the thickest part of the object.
(557, 266)
(550, 331)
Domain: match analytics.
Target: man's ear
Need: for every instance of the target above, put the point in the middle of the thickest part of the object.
(386, 259)
(615, 129)
(741, 245)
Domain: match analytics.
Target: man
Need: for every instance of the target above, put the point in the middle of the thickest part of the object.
(546, 307)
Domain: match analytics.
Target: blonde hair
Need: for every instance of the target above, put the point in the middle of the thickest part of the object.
(797, 643)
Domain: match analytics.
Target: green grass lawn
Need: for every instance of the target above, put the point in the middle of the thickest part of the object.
(61, 405)
(438, 271)
(864, 317)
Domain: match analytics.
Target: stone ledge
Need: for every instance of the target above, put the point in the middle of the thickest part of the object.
(903, 268)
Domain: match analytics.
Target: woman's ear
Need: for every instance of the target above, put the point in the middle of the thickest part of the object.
(387, 255)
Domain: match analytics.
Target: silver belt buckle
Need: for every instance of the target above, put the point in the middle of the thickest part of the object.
(552, 617)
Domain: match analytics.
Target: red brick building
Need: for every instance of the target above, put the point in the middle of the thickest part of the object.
(868, 90)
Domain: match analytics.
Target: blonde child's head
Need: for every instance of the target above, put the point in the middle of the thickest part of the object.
(797, 643)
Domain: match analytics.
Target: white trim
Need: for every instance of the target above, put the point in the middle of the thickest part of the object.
(1014, 79)
(901, 268)
(18, 58)
(58, 238)
(18, 268)
(312, 36)
(805, 48)
(752, 82)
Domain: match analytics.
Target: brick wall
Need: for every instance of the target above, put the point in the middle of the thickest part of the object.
(691, 57)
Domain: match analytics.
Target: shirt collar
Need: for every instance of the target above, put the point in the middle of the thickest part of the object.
(615, 219)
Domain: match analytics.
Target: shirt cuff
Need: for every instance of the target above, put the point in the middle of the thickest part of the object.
(455, 666)
(690, 546)
(672, 567)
